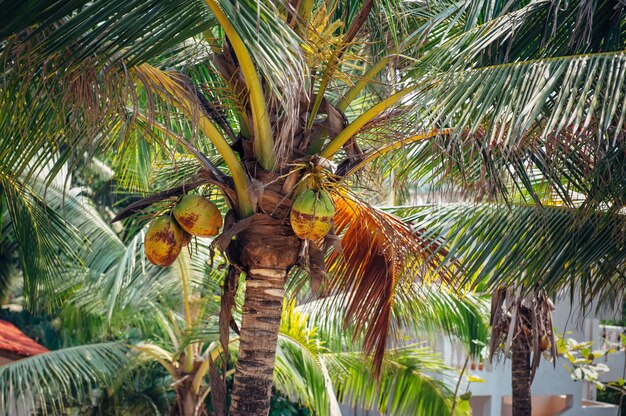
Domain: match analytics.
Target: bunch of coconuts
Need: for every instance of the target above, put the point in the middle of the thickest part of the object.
(193, 215)
(311, 218)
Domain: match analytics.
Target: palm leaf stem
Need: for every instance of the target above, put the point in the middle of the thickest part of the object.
(188, 321)
(167, 366)
(304, 13)
(208, 128)
(263, 142)
(160, 196)
(185, 143)
(323, 85)
(366, 79)
(352, 128)
(376, 153)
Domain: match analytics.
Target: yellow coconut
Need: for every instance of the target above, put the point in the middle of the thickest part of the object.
(312, 214)
(164, 241)
(198, 216)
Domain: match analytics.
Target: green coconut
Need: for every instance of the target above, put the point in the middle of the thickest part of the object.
(312, 214)
(198, 216)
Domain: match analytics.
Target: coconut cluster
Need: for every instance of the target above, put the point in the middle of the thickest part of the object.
(193, 215)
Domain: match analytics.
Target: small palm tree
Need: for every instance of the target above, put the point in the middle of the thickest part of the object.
(517, 99)
(524, 253)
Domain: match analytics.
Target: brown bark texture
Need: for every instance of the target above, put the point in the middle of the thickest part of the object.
(521, 379)
(267, 249)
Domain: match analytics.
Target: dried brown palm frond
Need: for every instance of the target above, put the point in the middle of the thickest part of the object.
(380, 256)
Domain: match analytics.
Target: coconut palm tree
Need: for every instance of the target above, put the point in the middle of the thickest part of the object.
(513, 248)
(319, 364)
(513, 100)
(319, 368)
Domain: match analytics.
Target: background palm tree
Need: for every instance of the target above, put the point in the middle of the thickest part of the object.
(524, 99)
(529, 251)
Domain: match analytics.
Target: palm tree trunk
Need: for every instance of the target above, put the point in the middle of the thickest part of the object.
(267, 248)
(187, 400)
(189, 403)
(521, 378)
(257, 345)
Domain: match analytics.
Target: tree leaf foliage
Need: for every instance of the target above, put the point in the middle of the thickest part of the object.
(44, 382)
(552, 248)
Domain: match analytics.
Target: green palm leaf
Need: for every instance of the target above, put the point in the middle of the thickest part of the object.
(300, 370)
(554, 99)
(135, 30)
(274, 46)
(527, 86)
(47, 245)
(49, 382)
(320, 373)
(407, 383)
(421, 312)
(554, 247)
(434, 311)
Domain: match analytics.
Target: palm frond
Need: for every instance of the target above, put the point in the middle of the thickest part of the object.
(72, 226)
(435, 312)
(411, 381)
(60, 113)
(553, 121)
(349, 167)
(580, 95)
(276, 50)
(135, 30)
(420, 312)
(532, 89)
(406, 373)
(463, 35)
(380, 254)
(133, 286)
(47, 244)
(50, 382)
(606, 183)
(37, 99)
(300, 371)
(8, 250)
(554, 247)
